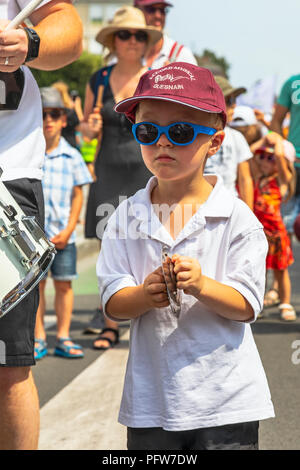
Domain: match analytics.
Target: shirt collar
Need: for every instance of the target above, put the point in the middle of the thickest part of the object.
(218, 205)
(63, 148)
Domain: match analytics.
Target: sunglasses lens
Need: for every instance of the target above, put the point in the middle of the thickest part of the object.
(141, 36)
(181, 133)
(124, 35)
(146, 133)
(54, 114)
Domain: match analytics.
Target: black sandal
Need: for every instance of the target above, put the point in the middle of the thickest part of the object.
(111, 342)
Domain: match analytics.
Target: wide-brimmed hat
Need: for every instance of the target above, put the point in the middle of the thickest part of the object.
(51, 98)
(179, 82)
(127, 17)
(227, 88)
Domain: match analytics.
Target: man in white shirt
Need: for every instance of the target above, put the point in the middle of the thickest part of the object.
(54, 41)
(166, 50)
(232, 160)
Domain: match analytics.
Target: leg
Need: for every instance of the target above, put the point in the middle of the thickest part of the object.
(39, 331)
(19, 409)
(284, 287)
(64, 299)
(102, 342)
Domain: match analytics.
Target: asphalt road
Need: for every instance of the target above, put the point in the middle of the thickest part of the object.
(278, 343)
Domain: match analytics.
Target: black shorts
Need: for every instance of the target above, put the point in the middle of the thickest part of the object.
(17, 326)
(239, 436)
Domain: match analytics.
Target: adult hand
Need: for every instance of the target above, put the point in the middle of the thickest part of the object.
(13, 47)
(155, 290)
(95, 121)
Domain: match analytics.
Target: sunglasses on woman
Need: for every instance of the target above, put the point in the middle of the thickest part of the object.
(267, 156)
(179, 133)
(151, 10)
(54, 114)
(125, 35)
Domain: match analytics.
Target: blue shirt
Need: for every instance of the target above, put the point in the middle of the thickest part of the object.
(64, 168)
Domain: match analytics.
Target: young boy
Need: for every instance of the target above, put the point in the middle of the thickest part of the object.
(64, 175)
(194, 378)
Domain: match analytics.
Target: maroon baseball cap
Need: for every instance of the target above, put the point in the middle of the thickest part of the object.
(178, 82)
(143, 3)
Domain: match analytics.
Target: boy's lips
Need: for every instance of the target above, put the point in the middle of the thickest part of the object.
(165, 158)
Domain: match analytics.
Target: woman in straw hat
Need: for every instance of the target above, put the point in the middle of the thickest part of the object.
(119, 169)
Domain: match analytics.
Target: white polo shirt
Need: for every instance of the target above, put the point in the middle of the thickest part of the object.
(22, 144)
(200, 370)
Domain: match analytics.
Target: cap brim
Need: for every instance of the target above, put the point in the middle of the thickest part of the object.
(128, 106)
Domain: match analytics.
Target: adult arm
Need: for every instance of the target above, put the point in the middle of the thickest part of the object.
(245, 183)
(60, 30)
(278, 118)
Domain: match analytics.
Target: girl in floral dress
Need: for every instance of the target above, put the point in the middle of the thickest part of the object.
(274, 179)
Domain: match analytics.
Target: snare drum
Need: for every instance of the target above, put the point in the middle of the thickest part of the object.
(25, 252)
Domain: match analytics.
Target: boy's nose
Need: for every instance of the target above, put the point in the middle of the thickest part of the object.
(164, 141)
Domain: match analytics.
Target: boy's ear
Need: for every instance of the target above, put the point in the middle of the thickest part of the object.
(216, 143)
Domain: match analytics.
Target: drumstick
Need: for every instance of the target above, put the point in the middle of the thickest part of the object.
(23, 14)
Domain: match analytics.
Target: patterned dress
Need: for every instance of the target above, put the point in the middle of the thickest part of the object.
(267, 201)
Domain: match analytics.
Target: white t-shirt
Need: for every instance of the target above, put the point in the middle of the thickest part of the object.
(201, 370)
(234, 150)
(185, 54)
(22, 144)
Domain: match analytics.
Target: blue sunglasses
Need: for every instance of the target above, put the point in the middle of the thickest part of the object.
(179, 133)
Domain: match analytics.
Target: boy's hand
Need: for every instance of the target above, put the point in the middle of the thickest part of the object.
(95, 121)
(155, 290)
(61, 239)
(188, 275)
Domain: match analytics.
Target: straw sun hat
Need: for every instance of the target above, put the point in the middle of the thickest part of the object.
(126, 18)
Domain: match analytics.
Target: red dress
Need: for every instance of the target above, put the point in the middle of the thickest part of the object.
(267, 200)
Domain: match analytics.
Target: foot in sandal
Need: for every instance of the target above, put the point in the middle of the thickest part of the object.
(271, 298)
(287, 312)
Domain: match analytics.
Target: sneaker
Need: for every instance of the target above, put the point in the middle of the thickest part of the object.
(96, 325)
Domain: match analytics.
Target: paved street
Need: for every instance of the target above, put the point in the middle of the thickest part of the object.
(80, 398)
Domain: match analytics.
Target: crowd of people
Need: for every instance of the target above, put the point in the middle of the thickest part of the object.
(249, 210)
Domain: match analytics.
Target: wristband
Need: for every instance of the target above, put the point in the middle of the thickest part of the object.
(33, 44)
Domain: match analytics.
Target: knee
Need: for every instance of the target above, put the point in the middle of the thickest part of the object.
(12, 376)
(63, 286)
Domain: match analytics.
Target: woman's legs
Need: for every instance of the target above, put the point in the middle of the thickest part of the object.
(284, 289)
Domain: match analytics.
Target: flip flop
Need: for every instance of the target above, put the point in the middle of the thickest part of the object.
(111, 342)
(64, 350)
(40, 350)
